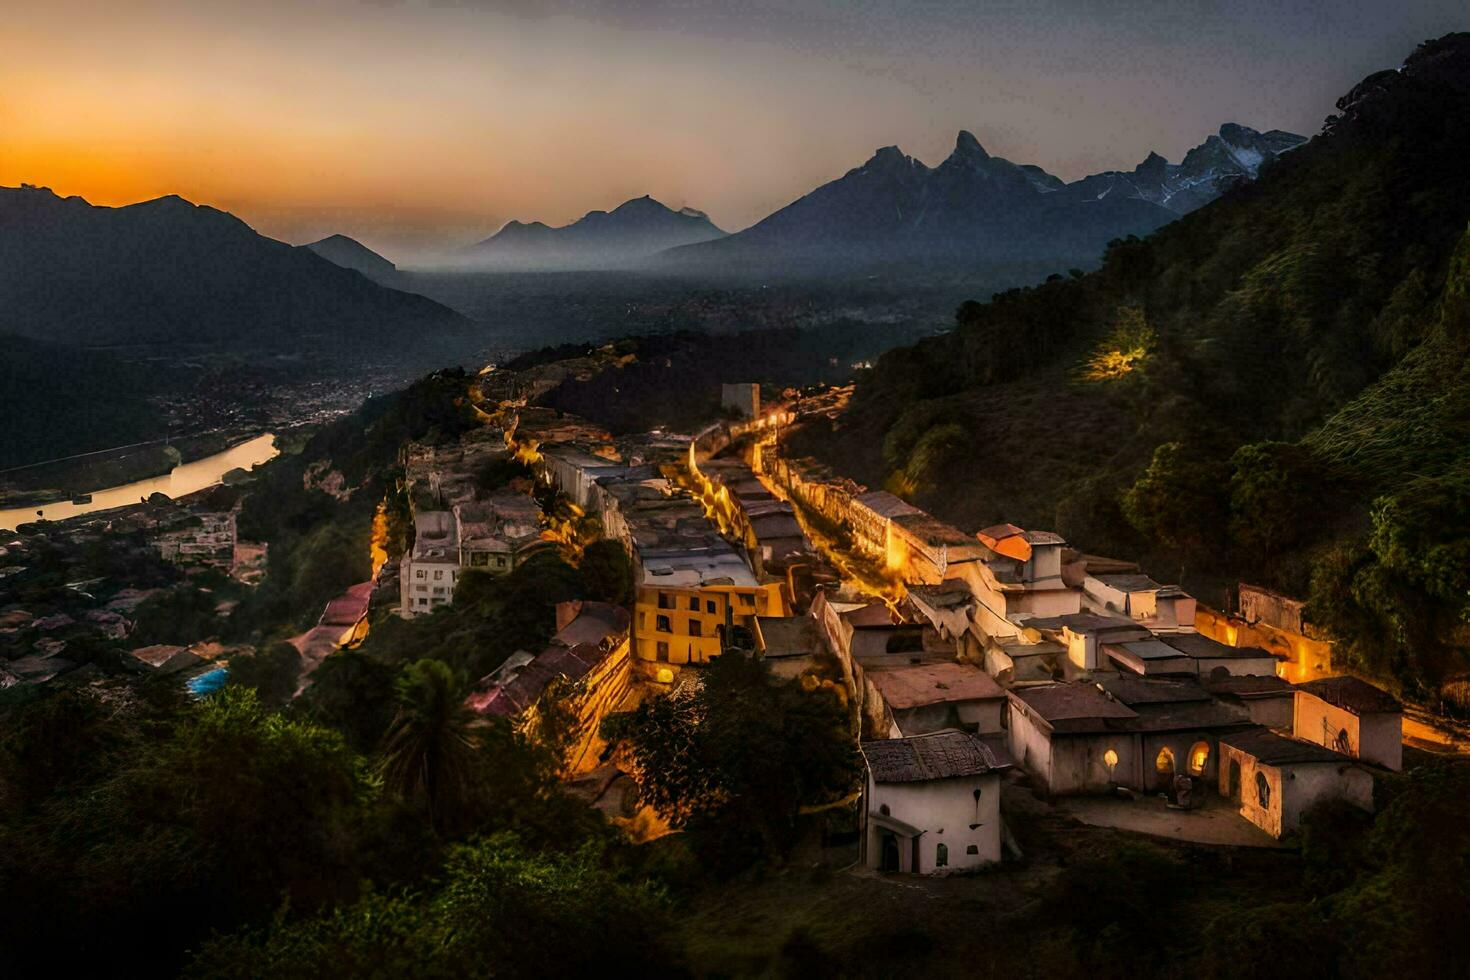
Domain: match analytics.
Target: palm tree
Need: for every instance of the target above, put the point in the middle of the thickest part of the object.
(429, 750)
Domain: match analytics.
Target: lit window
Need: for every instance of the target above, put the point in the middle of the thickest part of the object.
(1199, 757)
(1263, 790)
(1111, 758)
(1164, 762)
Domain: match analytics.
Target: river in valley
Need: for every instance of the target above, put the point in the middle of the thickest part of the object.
(184, 479)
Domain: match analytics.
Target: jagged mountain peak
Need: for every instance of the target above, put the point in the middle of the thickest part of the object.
(967, 147)
(890, 159)
(1236, 133)
(975, 207)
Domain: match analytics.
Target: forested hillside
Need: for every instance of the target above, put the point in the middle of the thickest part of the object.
(1272, 388)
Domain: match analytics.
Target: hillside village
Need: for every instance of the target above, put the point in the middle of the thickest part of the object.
(969, 661)
(919, 704)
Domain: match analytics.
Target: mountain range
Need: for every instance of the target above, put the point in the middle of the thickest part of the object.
(975, 209)
(626, 235)
(174, 273)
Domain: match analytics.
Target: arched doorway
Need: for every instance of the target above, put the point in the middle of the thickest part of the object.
(1199, 758)
(1164, 769)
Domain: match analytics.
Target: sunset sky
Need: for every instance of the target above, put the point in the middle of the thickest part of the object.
(415, 124)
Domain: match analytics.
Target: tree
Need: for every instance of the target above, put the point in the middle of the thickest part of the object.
(272, 673)
(184, 614)
(205, 815)
(429, 750)
(607, 573)
(1274, 493)
(501, 909)
(1396, 604)
(735, 759)
(353, 692)
(1179, 500)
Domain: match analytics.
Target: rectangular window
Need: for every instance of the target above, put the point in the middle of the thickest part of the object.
(421, 588)
(438, 575)
(694, 603)
(665, 601)
(419, 573)
(438, 590)
(709, 606)
(663, 625)
(661, 652)
(499, 562)
(695, 628)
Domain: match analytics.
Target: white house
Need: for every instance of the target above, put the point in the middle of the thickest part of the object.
(1275, 778)
(1352, 717)
(427, 575)
(933, 803)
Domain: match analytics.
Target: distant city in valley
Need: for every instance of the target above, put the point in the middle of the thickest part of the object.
(941, 570)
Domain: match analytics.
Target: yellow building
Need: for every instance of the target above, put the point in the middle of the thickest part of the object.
(692, 622)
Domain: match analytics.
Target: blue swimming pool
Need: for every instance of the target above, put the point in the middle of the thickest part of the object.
(208, 682)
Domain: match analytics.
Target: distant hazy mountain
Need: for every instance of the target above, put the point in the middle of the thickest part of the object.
(170, 272)
(976, 210)
(624, 236)
(350, 253)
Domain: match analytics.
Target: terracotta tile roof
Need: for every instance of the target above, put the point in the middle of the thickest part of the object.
(943, 755)
(943, 683)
